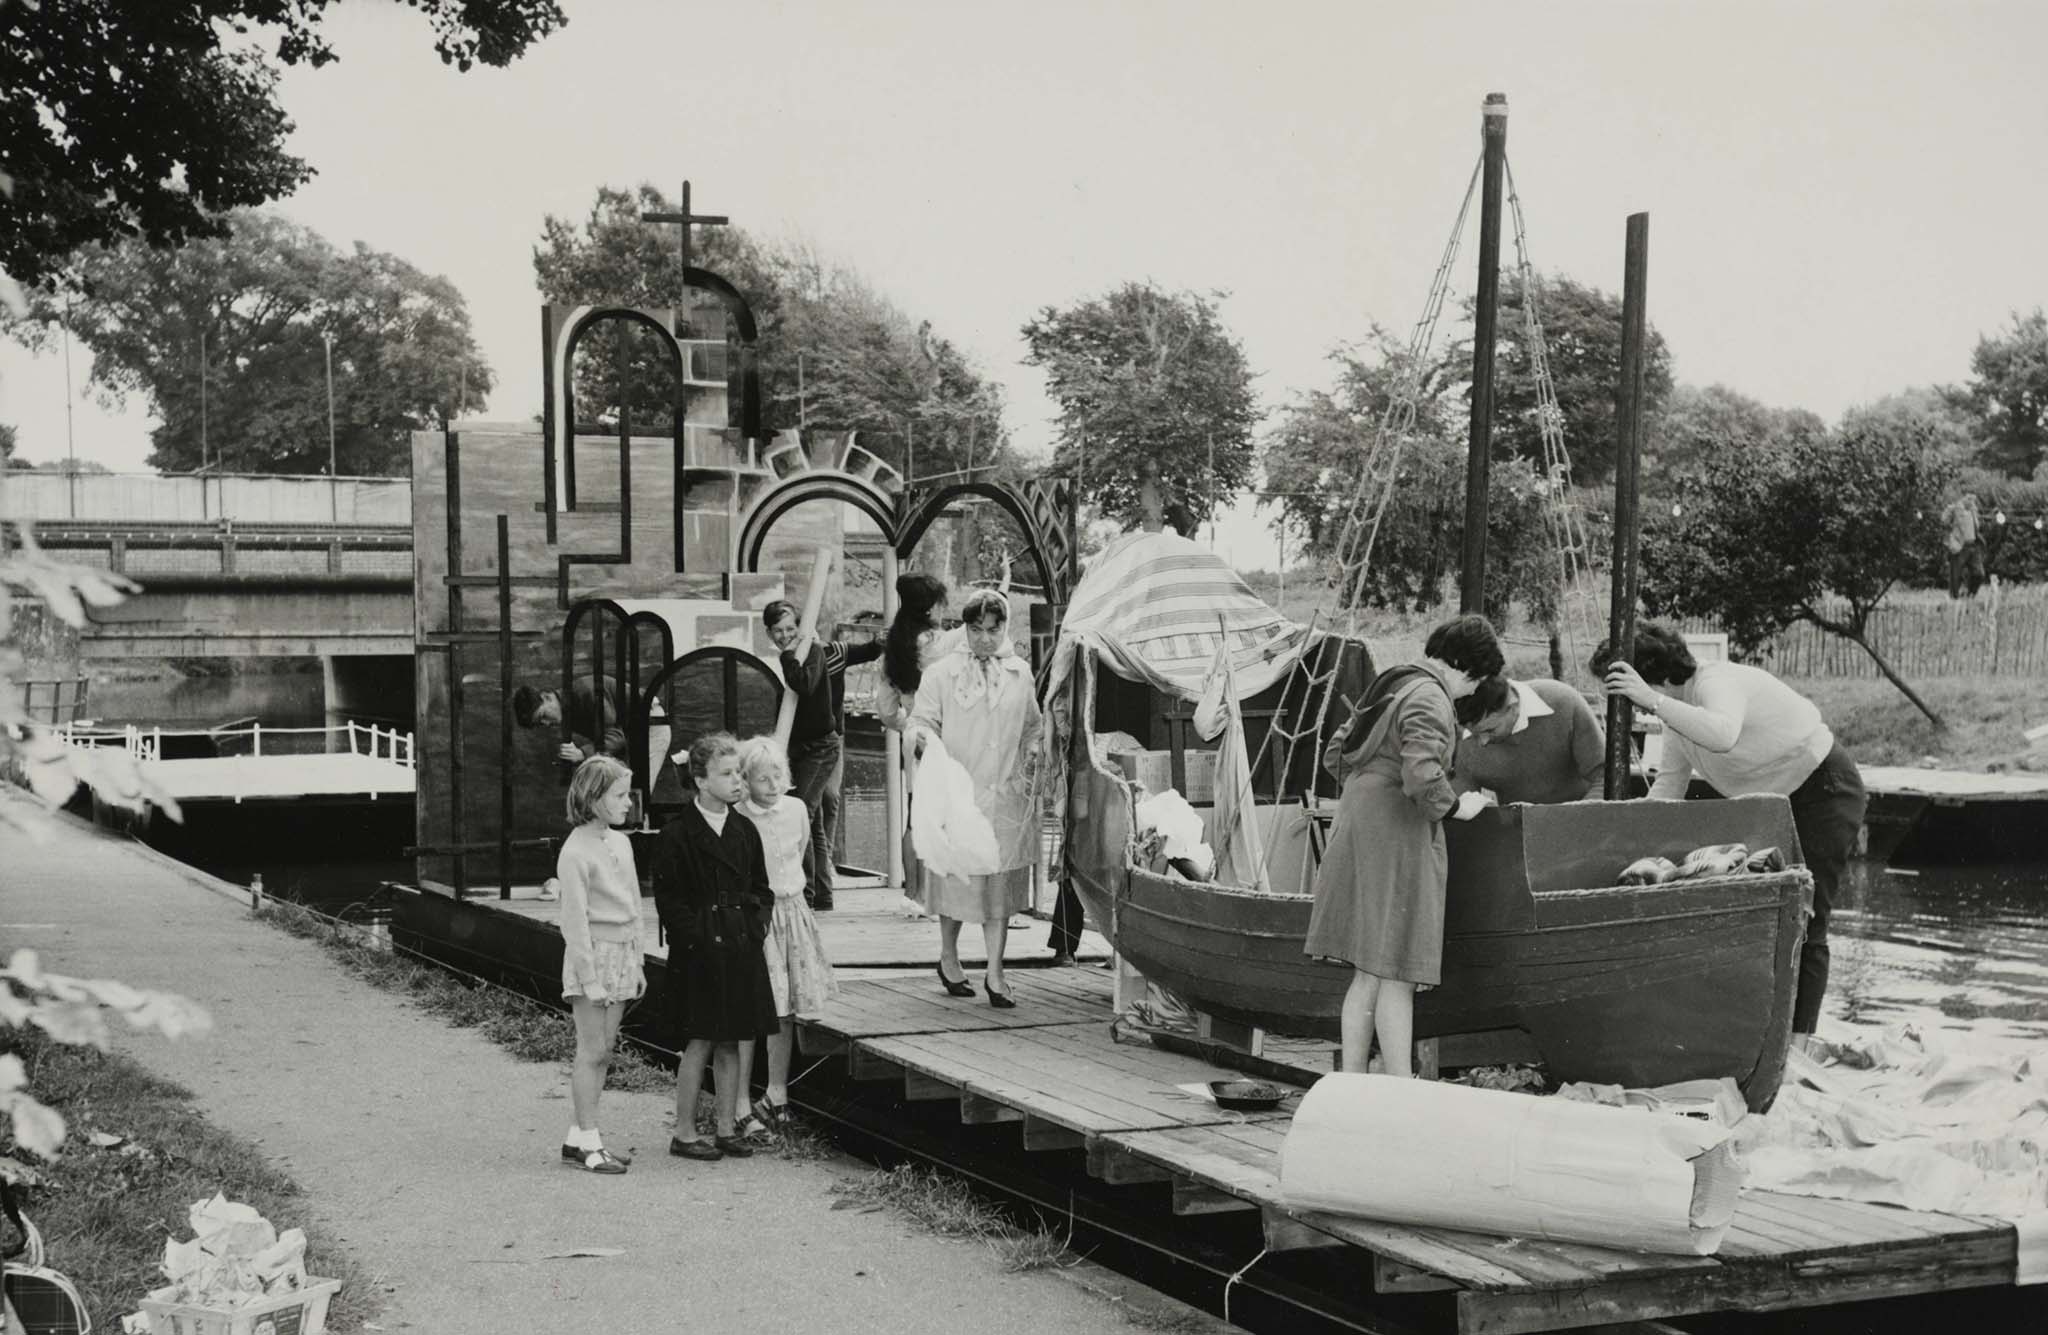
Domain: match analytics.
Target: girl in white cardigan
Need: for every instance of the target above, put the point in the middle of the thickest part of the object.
(603, 945)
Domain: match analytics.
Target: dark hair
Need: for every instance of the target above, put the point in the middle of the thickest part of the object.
(709, 749)
(980, 604)
(525, 700)
(1490, 696)
(916, 596)
(1661, 657)
(774, 611)
(1468, 644)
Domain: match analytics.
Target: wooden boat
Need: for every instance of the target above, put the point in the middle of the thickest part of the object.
(1631, 985)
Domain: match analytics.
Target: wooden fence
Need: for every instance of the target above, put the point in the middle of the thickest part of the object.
(2000, 632)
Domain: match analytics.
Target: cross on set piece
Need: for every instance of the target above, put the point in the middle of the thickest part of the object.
(687, 219)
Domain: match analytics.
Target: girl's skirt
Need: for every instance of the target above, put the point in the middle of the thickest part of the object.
(798, 972)
(619, 972)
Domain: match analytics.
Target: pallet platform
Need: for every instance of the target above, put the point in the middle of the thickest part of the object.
(1053, 1067)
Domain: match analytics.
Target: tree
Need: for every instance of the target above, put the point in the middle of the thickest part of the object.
(2008, 395)
(1582, 340)
(1313, 457)
(1146, 378)
(122, 120)
(263, 298)
(8, 458)
(865, 365)
(1765, 533)
(1716, 423)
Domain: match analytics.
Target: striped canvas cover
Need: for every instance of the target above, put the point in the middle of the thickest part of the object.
(1154, 606)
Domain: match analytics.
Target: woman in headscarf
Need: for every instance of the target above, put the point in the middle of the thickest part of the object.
(1380, 887)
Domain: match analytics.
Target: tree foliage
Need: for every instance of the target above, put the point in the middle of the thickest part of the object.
(1813, 528)
(1147, 378)
(833, 354)
(2008, 395)
(1582, 340)
(1697, 427)
(1313, 457)
(8, 458)
(152, 121)
(262, 298)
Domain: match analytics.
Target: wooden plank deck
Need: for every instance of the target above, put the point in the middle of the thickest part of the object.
(1053, 1067)
(1954, 785)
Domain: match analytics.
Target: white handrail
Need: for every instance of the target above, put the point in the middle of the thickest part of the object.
(370, 740)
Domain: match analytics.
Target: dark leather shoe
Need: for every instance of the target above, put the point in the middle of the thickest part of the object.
(822, 904)
(1062, 960)
(732, 1147)
(1002, 1001)
(695, 1149)
(963, 988)
(598, 1161)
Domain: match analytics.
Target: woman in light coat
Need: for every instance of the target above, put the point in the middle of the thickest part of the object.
(982, 705)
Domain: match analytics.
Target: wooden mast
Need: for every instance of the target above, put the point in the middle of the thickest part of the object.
(1621, 615)
(1486, 309)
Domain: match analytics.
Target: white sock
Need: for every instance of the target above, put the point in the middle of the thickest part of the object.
(575, 1137)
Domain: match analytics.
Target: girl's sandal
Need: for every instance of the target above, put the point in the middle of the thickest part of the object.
(601, 1161)
(753, 1131)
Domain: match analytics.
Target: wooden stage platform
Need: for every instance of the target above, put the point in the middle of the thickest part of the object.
(1053, 1067)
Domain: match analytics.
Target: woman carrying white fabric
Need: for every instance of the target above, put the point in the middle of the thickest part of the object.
(983, 707)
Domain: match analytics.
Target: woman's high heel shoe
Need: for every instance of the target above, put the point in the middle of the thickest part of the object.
(963, 988)
(1002, 1001)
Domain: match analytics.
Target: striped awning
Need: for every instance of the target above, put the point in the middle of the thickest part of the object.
(1153, 607)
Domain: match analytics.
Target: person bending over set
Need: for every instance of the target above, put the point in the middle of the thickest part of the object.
(1380, 886)
(1529, 741)
(817, 733)
(1743, 731)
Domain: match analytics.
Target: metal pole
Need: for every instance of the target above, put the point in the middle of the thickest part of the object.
(202, 424)
(803, 412)
(70, 444)
(333, 476)
(1478, 457)
(1621, 615)
(892, 740)
(1212, 489)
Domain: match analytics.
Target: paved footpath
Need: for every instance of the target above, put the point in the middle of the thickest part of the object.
(434, 1154)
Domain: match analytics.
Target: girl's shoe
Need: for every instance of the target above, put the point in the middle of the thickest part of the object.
(732, 1147)
(963, 988)
(599, 1161)
(574, 1154)
(776, 1115)
(753, 1131)
(695, 1149)
(1002, 1001)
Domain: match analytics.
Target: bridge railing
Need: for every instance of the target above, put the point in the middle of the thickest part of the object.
(146, 744)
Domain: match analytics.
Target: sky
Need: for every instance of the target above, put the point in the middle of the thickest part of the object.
(1843, 197)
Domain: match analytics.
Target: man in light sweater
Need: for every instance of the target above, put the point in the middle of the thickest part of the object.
(1528, 741)
(1743, 731)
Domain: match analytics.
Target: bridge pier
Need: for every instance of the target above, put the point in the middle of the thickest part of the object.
(375, 687)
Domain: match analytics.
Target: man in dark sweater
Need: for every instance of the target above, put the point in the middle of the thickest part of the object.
(1533, 741)
(817, 750)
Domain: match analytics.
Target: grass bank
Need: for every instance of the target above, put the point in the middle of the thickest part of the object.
(522, 1026)
(947, 1206)
(105, 1211)
(1986, 719)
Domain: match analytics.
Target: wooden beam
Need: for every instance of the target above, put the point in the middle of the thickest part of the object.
(1389, 1276)
(1117, 1166)
(976, 1110)
(1284, 1233)
(1762, 1284)
(1192, 1197)
(921, 1088)
(815, 1042)
(867, 1066)
(1040, 1134)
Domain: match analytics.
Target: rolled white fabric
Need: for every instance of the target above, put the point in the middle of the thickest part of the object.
(1449, 1156)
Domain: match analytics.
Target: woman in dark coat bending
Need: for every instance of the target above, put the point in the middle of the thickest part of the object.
(711, 892)
(1380, 887)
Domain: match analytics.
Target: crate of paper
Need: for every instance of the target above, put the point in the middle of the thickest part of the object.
(1154, 769)
(236, 1275)
(297, 1312)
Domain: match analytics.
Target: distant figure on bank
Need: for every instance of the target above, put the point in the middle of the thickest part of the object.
(1744, 731)
(1528, 741)
(1965, 548)
(603, 946)
(711, 891)
(817, 735)
(1380, 887)
(983, 707)
(799, 973)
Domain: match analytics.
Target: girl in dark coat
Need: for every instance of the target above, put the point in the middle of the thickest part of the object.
(712, 894)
